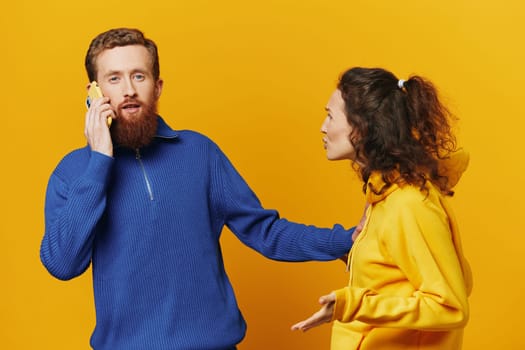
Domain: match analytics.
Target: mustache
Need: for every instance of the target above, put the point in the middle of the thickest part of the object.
(129, 101)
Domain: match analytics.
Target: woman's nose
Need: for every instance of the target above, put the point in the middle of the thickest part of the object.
(323, 126)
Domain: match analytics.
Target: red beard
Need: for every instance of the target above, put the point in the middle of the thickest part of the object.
(137, 131)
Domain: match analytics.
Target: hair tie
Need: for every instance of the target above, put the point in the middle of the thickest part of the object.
(401, 83)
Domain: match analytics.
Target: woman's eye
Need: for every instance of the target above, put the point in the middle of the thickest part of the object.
(113, 79)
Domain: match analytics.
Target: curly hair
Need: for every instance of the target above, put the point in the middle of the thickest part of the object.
(399, 130)
(120, 37)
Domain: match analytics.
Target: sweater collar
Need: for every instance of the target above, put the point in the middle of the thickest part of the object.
(164, 131)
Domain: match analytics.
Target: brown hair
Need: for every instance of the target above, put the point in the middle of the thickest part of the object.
(119, 37)
(401, 130)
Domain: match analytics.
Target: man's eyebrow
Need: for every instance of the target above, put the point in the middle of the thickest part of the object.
(116, 72)
(112, 72)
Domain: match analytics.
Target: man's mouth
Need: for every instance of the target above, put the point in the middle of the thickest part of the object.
(131, 107)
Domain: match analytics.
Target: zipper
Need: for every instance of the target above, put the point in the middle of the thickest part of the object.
(148, 184)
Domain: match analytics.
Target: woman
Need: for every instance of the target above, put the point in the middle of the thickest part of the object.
(409, 280)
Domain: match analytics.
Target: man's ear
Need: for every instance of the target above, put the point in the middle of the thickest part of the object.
(158, 88)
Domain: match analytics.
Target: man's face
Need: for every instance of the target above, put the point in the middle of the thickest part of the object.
(125, 75)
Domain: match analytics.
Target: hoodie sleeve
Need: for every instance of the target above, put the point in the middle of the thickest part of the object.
(420, 244)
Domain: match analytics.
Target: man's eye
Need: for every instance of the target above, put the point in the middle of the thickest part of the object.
(113, 79)
(139, 77)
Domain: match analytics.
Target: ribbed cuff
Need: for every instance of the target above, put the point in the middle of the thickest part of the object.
(342, 239)
(99, 167)
(340, 303)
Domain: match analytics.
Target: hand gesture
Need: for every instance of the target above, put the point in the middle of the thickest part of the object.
(324, 315)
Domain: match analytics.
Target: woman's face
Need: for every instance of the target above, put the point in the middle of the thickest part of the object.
(336, 130)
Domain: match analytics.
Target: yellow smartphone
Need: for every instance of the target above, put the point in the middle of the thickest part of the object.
(93, 93)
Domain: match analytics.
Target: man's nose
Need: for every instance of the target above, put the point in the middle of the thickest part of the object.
(129, 88)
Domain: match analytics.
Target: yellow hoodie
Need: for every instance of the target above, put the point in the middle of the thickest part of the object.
(409, 280)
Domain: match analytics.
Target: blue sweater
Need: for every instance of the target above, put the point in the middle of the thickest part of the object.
(149, 222)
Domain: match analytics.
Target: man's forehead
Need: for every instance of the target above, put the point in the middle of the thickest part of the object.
(131, 57)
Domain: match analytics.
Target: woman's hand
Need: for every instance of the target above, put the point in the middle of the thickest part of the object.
(322, 316)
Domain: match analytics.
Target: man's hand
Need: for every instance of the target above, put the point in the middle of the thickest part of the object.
(96, 129)
(322, 316)
(361, 224)
(357, 231)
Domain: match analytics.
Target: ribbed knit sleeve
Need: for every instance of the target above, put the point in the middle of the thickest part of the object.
(263, 229)
(75, 202)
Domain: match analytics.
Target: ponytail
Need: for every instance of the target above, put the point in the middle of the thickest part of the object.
(430, 121)
(430, 118)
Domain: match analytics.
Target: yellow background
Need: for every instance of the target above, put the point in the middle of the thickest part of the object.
(255, 76)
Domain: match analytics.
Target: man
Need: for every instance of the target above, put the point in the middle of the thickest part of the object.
(146, 205)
